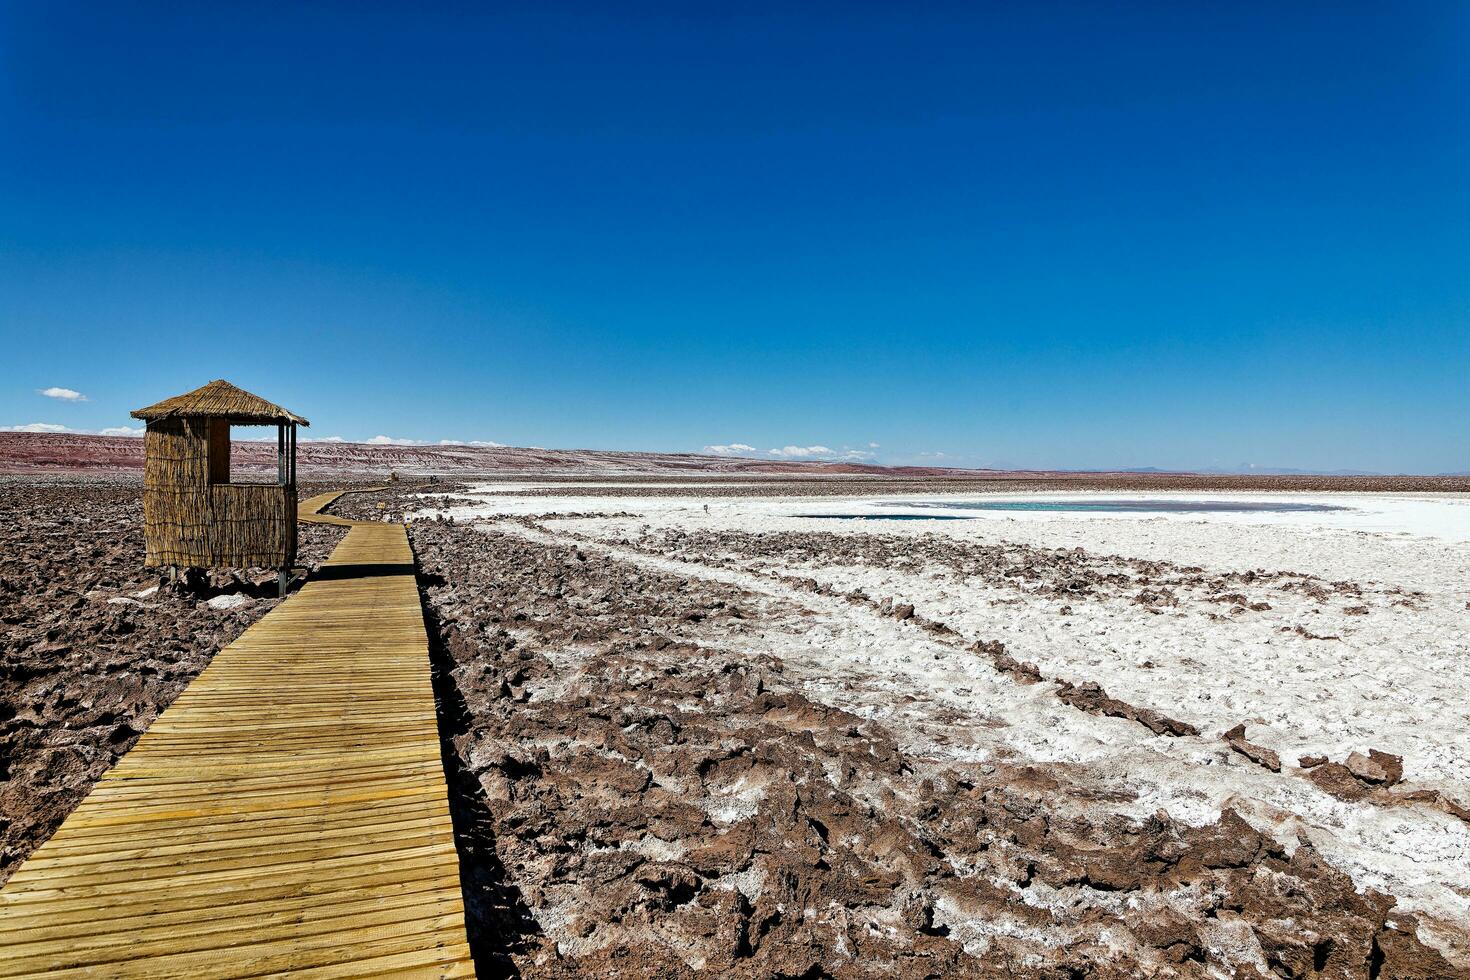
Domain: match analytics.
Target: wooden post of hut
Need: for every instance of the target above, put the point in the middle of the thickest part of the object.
(195, 513)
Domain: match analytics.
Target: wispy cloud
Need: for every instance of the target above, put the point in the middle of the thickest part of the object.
(793, 451)
(391, 441)
(62, 394)
(800, 452)
(59, 429)
(381, 440)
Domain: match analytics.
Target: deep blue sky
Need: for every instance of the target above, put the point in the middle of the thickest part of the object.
(1181, 235)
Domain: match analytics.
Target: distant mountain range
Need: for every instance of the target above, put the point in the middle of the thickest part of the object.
(62, 453)
(69, 453)
(1247, 469)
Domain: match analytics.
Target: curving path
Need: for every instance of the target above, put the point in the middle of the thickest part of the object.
(286, 815)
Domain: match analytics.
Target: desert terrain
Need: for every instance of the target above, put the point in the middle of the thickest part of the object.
(69, 456)
(1022, 743)
(751, 725)
(95, 646)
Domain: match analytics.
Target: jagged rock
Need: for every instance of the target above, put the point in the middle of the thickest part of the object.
(1338, 779)
(1378, 768)
(1258, 754)
(1089, 696)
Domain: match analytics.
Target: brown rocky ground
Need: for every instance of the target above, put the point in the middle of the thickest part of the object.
(635, 796)
(1030, 571)
(86, 661)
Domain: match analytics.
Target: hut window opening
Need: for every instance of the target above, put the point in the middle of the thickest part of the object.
(221, 473)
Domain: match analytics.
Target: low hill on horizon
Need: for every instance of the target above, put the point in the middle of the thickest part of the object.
(61, 453)
(46, 454)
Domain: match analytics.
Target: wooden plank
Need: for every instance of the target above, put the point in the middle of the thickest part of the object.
(287, 814)
(187, 909)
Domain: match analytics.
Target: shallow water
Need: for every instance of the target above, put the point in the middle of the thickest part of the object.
(1079, 506)
(888, 517)
(1127, 506)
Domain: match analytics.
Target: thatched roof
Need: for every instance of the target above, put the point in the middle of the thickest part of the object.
(220, 399)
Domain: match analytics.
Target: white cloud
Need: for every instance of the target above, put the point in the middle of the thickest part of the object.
(390, 441)
(933, 455)
(483, 443)
(793, 452)
(53, 428)
(326, 439)
(63, 394)
(798, 452)
(872, 445)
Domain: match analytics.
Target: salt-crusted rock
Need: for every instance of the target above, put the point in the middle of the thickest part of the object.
(1337, 779)
(1260, 755)
(1376, 767)
(1089, 696)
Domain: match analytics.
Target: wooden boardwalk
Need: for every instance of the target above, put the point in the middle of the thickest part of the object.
(287, 814)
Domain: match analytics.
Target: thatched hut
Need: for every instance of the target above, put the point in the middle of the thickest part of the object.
(194, 515)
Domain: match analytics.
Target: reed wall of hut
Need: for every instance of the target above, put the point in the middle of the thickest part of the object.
(193, 518)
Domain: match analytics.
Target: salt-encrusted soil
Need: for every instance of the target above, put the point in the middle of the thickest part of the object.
(687, 741)
(91, 648)
(739, 742)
